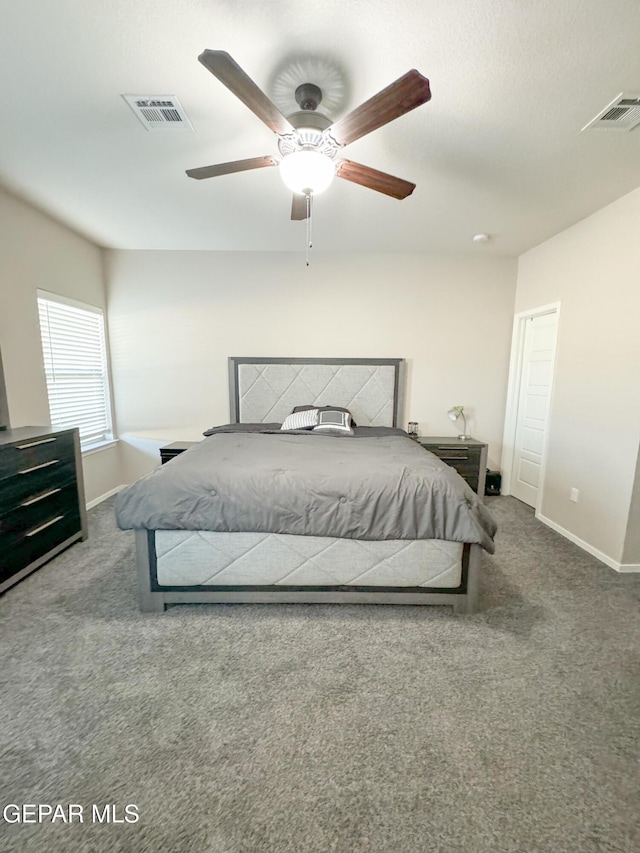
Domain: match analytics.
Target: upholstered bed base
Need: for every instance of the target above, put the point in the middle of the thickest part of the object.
(205, 558)
(178, 567)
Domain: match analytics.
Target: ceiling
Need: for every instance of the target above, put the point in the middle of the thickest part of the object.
(498, 149)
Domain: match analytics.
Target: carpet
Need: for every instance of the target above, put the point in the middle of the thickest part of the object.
(318, 728)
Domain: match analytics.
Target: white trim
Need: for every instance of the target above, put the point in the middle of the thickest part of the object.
(513, 395)
(599, 555)
(96, 448)
(106, 495)
(65, 300)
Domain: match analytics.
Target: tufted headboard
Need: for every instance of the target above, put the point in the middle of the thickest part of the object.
(263, 390)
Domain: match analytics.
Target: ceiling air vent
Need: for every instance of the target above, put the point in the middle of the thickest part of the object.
(623, 113)
(159, 112)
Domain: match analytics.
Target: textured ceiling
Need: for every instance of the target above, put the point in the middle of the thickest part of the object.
(498, 149)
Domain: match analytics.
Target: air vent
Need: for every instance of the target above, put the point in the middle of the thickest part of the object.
(159, 112)
(623, 113)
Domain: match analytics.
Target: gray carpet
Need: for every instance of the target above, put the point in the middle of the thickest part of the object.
(309, 729)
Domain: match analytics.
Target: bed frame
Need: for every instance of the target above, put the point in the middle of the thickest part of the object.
(264, 390)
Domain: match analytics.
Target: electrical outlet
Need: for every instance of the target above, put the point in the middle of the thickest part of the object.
(574, 494)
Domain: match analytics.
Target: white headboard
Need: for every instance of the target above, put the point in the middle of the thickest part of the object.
(264, 390)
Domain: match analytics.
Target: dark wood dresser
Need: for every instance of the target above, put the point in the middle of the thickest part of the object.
(42, 505)
(467, 456)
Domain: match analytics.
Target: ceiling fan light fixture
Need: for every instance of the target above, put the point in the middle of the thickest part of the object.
(307, 172)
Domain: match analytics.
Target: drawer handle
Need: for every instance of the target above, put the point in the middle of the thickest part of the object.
(45, 525)
(453, 458)
(35, 443)
(38, 467)
(40, 497)
(449, 447)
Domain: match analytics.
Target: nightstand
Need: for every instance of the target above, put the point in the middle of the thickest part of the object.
(468, 457)
(170, 450)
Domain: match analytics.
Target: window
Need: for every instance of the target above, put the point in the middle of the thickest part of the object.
(75, 363)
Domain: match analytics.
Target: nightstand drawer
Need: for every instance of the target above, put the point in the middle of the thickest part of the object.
(467, 457)
(454, 453)
(466, 468)
(169, 451)
(471, 480)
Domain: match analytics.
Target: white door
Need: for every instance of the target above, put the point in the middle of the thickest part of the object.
(533, 405)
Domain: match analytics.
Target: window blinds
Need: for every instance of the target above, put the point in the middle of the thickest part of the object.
(75, 362)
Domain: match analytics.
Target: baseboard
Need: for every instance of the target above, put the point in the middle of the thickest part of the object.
(599, 555)
(106, 495)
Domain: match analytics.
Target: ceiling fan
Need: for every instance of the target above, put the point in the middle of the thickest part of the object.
(307, 140)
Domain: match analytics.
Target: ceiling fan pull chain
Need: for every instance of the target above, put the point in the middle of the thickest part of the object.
(308, 197)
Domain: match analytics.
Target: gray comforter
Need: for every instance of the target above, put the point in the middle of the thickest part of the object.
(377, 484)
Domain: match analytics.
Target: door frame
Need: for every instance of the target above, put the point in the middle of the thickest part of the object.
(513, 396)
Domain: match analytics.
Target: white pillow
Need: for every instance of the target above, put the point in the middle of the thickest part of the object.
(338, 423)
(301, 420)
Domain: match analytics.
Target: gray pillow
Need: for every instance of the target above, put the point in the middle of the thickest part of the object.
(333, 422)
(325, 409)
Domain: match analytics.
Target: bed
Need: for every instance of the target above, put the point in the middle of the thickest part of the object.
(255, 514)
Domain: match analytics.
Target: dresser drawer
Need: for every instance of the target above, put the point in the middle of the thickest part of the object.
(38, 541)
(35, 510)
(33, 454)
(34, 481)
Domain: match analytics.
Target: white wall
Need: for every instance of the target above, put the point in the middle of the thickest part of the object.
(593, 269)
(39, 252)
(175, 317)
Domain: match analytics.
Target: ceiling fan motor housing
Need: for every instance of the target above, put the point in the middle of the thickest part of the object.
(308, 96)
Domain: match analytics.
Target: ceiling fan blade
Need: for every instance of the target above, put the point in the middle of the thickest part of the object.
(402, 96)
(299, 207)
(229, 168)
(228, 72)
(375, 180)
